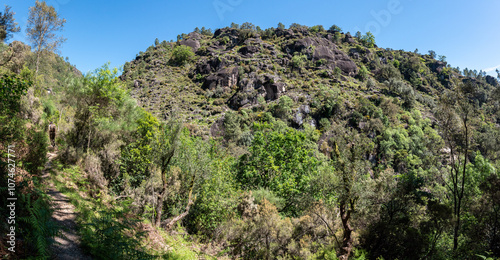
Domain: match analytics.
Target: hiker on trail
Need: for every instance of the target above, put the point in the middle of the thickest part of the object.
(52, 133)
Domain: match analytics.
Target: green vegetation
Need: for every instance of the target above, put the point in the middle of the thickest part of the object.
(43, 23)
(8, 26)
(182, 54)
(299, 143)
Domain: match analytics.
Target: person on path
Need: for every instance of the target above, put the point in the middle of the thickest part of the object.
(52, 133)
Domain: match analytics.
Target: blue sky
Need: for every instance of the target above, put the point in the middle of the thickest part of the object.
(465, 32)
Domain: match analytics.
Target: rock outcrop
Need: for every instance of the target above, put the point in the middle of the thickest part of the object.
(323, 49)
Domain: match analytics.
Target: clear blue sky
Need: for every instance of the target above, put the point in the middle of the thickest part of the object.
(465, 32)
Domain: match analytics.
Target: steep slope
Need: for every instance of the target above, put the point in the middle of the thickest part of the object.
(235, 68)
(393, 150)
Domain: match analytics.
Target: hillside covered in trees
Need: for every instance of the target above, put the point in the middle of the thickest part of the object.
(245, 143)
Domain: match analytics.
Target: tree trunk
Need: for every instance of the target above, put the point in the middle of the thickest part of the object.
(346, 248)
(181, 216)
(188, 206)
(161, 198)
(460, 193)
(37, 61)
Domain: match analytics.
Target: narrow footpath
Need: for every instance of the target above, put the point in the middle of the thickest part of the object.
(67, 243)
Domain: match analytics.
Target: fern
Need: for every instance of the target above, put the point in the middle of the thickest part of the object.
(41, 228)
(105, 237)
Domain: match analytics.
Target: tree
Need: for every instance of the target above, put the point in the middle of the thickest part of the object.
(165, 149)
(248, 26)
(334, 28)
(317, 29)
(297, 26)
(12, 88)
(232, 129)
(281, 26)
(350, 168)
(442, 58)
(432, 54)
(43, 24)
(280, 162)
(7, 24)
(368, 40)
(99, 101)
(284, 107)
(136, 159)
(455, 113)
(206, 32)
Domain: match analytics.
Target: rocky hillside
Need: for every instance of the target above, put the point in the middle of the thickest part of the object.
(245, 68)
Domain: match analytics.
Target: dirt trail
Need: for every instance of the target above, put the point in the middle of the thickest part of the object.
(67, 244)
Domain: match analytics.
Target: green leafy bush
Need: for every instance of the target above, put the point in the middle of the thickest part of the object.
(280, 162)
(283, 109)
(182, 54)
(299, 60)
(216, 202)
(37, 155)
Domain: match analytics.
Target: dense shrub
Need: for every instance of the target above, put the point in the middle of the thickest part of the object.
(37, 156)
(182, 54)
(281, 162)
(283, 109)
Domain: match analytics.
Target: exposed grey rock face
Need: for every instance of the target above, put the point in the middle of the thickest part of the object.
(491, 80)
(297, 119)
(225, 78)
(348, 38)
(217, 128)
(322, 49)
(193, 43)
(248, 50)
(438, 66)
(253, 86)
(212, 65)
(305, 109)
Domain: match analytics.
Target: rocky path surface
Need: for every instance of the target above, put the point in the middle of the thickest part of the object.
(67, 243)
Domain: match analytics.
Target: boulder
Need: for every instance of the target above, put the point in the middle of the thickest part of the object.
(437, 66)
(491, 80)
(347, 66)
(303, 43)
(217, 128)
(348, 38)
(274, 90)
(193, 43)
(225, 78)
(194, 36)
(248, 50)
(297, 119)
(305, 109)
(287, 33)
(324, 50)
(205, 66)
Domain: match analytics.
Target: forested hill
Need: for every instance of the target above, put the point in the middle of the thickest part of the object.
(243, 143)
(412, 142)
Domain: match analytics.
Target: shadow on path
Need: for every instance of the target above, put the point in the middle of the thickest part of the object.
(67, 243)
